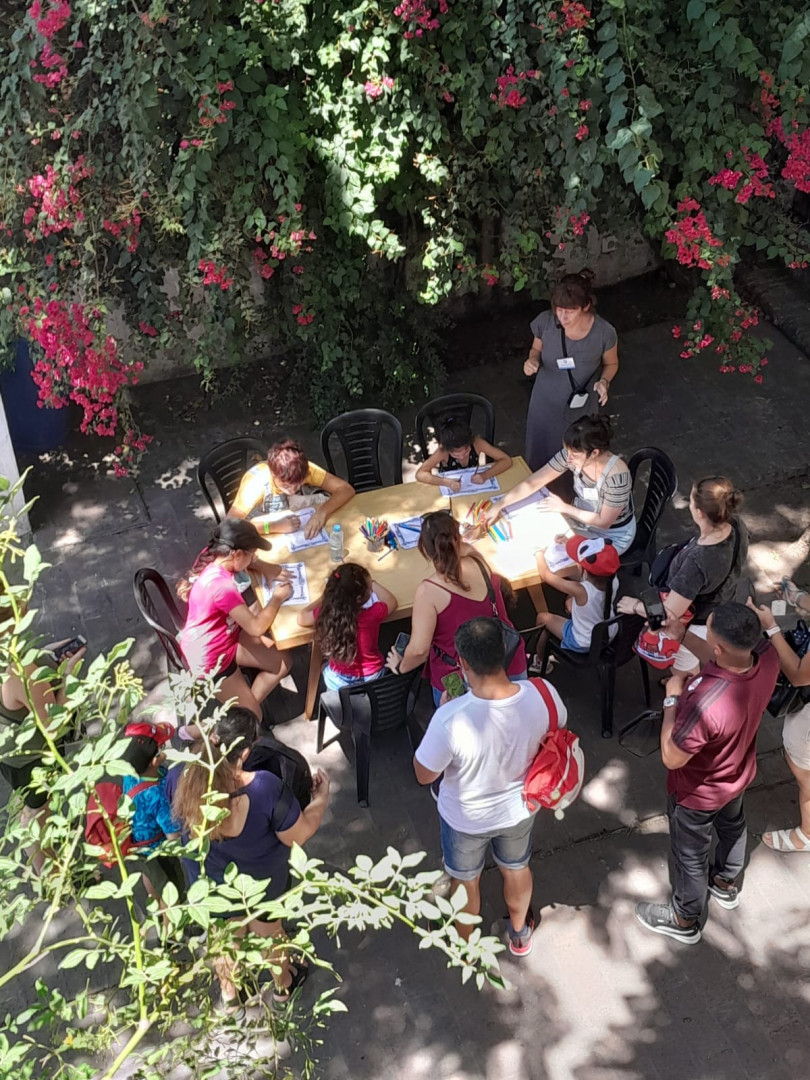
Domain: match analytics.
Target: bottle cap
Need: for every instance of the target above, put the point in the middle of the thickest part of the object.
(335, 528)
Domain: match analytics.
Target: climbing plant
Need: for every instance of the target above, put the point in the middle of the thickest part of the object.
(268, 177)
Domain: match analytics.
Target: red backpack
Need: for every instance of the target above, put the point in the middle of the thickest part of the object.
(556, 775)
(96, 830)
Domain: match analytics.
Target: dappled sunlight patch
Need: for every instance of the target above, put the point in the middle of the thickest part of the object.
(607, 791)
(178, 477)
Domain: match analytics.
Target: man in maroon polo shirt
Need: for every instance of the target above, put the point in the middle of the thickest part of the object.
(708, 744)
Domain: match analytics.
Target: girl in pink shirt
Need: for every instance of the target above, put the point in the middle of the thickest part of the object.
(222, 633)
(347, 625)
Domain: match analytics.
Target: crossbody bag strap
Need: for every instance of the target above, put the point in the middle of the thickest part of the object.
(488, 582)
(548, 700)
(574, 384)
(138, 788)
(281, 809)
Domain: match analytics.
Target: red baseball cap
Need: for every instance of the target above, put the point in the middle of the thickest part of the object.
(599, 557)
(161, 733)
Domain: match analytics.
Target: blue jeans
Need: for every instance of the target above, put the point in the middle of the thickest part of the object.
(437, 694)
(334, 680)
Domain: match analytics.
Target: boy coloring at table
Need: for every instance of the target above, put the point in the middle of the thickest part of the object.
(460, 449)
(347, 622)
(588, 602)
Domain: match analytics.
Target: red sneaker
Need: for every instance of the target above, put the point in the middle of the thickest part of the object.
(520, 942)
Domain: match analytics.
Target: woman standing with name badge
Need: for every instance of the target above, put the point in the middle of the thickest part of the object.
(575, 358)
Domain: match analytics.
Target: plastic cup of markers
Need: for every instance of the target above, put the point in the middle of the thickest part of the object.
(375, 546)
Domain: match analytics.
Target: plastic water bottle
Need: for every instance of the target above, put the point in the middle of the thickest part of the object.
(336, 543)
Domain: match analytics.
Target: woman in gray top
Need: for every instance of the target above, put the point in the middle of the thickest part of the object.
(704, 571)
(574, 353)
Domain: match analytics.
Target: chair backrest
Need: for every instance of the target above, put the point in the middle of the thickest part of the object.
(386, 703)
(165, 619)
(360, 435)
(619, 649)
(223, 467)
(661, 486)
(475, 410)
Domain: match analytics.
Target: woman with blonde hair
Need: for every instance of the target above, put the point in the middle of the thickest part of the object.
(262, 823)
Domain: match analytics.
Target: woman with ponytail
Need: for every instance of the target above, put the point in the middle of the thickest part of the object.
(703, 571)
(222, 633)
(255, 835)
(455, 592)
(347, 622)
(574, 358)
(603, 488)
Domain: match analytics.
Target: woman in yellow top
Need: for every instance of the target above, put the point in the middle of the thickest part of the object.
(267, 488)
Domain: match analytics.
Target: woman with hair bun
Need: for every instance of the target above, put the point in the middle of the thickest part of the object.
(704, 571)
(574, 357)
(456, 591)
(603, 487)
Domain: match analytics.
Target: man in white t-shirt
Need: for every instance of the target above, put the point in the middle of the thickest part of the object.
(484, 743)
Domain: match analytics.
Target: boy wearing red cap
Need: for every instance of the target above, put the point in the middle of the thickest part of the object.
(588, 602)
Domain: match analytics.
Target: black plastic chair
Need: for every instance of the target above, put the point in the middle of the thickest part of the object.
(224, 466)
(661, 486)
(148, 585)
(605, 656)
(360, 434)
(467, 407)
(367, 709)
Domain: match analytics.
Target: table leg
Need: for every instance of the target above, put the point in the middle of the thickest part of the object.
(315, 665)
(538, 597)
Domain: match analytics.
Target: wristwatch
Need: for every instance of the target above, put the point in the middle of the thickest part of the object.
(773, 630)
(671, 700)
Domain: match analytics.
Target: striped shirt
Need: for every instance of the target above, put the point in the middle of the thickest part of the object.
(613, 489)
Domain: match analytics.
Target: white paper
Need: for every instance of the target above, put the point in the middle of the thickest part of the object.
(298, 580)
(557, 558)
(407, 538)
(532, 500)
(467, 486)
(296, 541)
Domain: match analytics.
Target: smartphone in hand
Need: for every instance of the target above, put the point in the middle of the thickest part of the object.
(454, 684)
(69, 648)
(654, 608)
(401, 643)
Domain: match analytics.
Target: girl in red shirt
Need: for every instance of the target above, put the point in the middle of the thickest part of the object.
(347, 622)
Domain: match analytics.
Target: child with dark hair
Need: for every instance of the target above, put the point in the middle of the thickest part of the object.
(460, 449)
(347, 622)
(152, 820)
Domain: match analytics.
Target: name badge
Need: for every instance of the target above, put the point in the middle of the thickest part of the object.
(590, 495)
(566, 363)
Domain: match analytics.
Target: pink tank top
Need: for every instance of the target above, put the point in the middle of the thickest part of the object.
(458, 611)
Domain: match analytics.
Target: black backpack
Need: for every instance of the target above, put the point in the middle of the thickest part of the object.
(289, 765)
(786, 697)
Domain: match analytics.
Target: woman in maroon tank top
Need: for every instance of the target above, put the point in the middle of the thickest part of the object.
(455, 592)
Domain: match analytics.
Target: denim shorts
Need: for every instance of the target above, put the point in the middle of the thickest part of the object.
(334, 679)
(465, 854)
(568, 641)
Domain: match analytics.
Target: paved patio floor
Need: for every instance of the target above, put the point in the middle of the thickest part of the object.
(598, 999)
